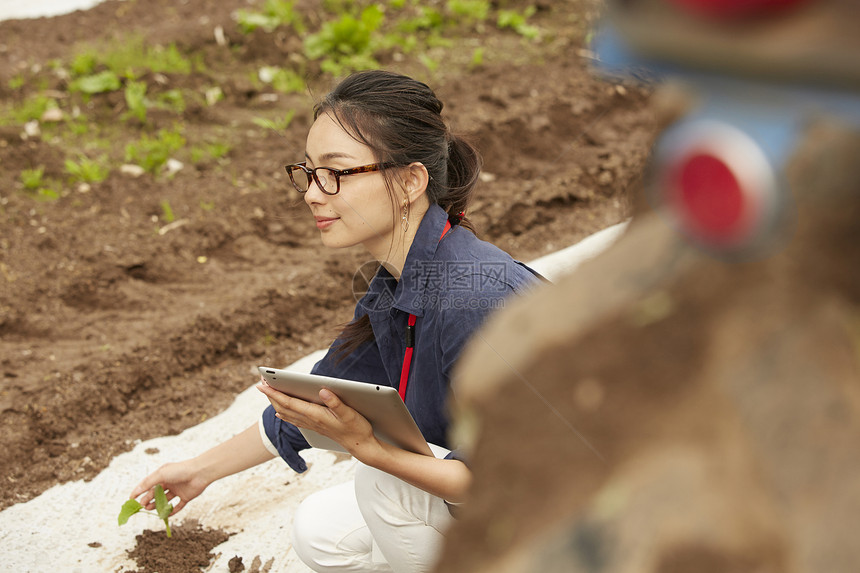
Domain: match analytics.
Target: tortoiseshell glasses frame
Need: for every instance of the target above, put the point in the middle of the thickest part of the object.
(326, 177)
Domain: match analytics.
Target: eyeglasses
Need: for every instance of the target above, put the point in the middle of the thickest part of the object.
(326, 178)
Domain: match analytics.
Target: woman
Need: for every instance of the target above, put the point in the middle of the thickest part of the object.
(382, 170)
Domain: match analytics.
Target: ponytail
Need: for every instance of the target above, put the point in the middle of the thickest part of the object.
(464, 167)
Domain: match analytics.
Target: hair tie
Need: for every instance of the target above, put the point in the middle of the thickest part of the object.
(460, 215)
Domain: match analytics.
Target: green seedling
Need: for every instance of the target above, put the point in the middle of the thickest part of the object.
(32, 178)
(518, 22)
(477, 58)
(135, 99)
(162, 509)
(153, 152)
(171, 100)
(130, 59)
(83, 64)
(427, 18)
(87, 170)
(16, 82)
(472, 10)
(105, 81)
(47, 194)
(31, 108)
(37, 186)
(275, 13)
(167, 211)
(285, 81)
(207, 151)
(277, 125)
(346, 43)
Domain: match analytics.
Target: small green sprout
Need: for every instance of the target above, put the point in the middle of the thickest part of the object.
(347, 43)
(286, 81)
(206, 151)
(474, 10)
(278, 125)
(167, 215)
(32, 178)
(162, 508)
(518, 22)
(135, 99)
(105, 81)
(153, 152)
(477, 58)
(275, 13)
(16, 82)
(87, 170)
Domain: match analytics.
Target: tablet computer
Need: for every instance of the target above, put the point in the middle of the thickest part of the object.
(381, 405)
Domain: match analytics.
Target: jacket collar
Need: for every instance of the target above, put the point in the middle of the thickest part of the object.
(385, 294)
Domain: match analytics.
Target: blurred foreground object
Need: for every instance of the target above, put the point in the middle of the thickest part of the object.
(689, 401)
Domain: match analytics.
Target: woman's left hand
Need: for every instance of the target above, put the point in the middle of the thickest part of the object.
(334, 420)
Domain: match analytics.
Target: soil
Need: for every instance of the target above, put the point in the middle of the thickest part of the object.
(188, 549)
(139, 305)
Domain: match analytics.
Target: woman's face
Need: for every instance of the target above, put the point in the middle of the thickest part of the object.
(362, 212)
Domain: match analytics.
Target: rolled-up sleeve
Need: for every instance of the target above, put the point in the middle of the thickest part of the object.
(285, 438)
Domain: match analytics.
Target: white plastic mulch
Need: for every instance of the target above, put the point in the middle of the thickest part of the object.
(15, 9)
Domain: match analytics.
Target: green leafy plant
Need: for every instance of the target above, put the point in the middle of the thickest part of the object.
(208, 151)
(275, 13)
(106, 81)
(518, 22)
(167, 211)
(287, 81)
(135, 99)
(83, 64)
(472, 10)
(34, 182)
(427, 18)
(47, 194)
(133, 58)
(130, 59)
(32, 178)
(87, 170)
(163, 509)
(276, 125)
(346, 43)
(32, 108)
(477, 58)
(171, 100)
(153, 152)
(16, 82)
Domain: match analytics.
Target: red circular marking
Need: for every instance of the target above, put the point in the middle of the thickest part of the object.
(710, 198)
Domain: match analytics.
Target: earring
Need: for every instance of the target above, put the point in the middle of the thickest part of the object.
(404, 221)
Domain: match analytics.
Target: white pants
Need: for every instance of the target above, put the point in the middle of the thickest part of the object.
(376, 523)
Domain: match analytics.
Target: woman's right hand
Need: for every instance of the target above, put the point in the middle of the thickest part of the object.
(186, 480)
(178, 480)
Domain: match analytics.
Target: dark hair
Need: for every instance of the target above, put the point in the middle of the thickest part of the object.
(399, 119)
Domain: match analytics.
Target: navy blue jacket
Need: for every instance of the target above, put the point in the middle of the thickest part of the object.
(450, 286)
